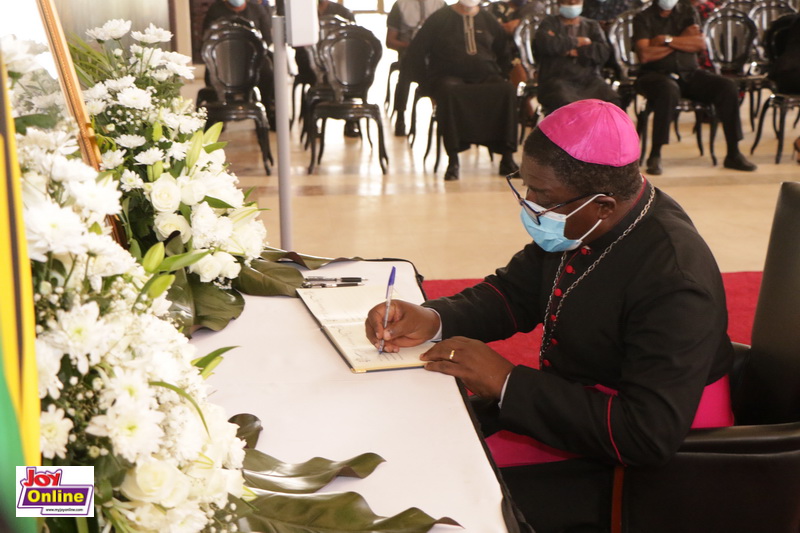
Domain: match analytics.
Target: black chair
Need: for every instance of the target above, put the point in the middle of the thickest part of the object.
(764, 14)
(233, 55)
(730, 38)
(351, 56)
(745, 478)
(394, 67)
(528, 114)
(780, 103)
(620, 37)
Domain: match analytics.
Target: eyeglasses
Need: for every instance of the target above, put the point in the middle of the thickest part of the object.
(528, 205)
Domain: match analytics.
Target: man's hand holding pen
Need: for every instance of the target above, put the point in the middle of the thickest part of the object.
(408, 325)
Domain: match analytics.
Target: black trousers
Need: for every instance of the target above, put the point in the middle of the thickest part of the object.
(402, 87)
(558, 92)
(663, 92)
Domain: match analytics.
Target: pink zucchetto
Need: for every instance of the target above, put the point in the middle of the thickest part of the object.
(593, 131)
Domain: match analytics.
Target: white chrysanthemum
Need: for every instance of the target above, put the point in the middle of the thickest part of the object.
(130, 180)
(52, 228)
(61, 142)
(109, 258)
(131, 141)
(177, 151)
(113, 158)
(167, 223)
(186, 518)
(48, 362)
(208, 229)
(161, 74)
(99, 197)
(54, 432)
(208, 268)
(113, 29)
(229, 194)
(119, 84)
(95, 107)
(20, 55)
(64, 169)
(152, 34)
(134, 430)
(81, 333)
(149, 156)
(165, 195)
(97, 92)
(135, 98)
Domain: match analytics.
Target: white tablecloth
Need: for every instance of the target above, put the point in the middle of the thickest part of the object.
(287, 373)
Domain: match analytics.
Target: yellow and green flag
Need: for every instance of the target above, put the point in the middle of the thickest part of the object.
(19, 394)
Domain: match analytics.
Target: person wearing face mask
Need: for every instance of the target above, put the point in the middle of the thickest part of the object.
(571, 51)
(461, 55)
(634, 324)
(667, 40)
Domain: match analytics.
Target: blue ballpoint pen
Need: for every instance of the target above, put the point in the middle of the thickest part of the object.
(389, 288)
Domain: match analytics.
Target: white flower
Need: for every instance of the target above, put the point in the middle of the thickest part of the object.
(149, 156)
(134, 430)
(48, 362)
(95, 107)
(64, 169)
(187, 518)
(161, 74)
(165, 194)
(98, 197)
(208, 229)
(20, 55)
(80, 332)
(130, 180)
(119, 84)
(229, 267)
(208, 268)
(167, 223)
(113, 158)
(177, 151)
(135, 98)
(51, 228)
(110, 258)
(247, 240)
(97, 92)
(157, 482)
(192, 191)
(54, 432)
(113, 29)
(152, 34)
(131, 141)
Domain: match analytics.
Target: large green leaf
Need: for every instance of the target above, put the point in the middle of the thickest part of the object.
(265, 472)
(332, 513)
(181, 310)
(309, 261)
(214, 307)
(249, 428)
(267, 278)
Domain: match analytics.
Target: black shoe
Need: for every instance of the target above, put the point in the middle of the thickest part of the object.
(451, 174)
(351, 129)
(738, 162)
(400, 127)
(507, 165)
(654, 165)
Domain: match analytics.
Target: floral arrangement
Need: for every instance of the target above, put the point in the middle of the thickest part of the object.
(121, 387)
(176, 186)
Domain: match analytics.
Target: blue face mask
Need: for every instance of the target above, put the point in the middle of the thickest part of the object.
(549, 233)
(570, 12)
(667, 5)
(236, 3)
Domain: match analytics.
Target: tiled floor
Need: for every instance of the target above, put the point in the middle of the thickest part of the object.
(465, 229)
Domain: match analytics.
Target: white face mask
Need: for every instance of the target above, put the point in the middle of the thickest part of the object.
(667, 5)
(469, 3)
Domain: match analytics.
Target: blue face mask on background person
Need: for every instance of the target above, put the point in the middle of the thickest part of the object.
(570, 12)
(549, 233)
(667, 5)
(236, 3)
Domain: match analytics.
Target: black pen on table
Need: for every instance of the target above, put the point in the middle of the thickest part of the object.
(337, 280)
(389, 288)
(322, 285)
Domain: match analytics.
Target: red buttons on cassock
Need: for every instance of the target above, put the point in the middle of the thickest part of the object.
(553, 342)
(558, 292)
(586, 250)
(546, 362)
(553, 318)
(569, 269)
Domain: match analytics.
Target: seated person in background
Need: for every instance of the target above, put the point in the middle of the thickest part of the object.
(402, 24)
(634, 316)
(605, 12)
(261, 17)
(667, 39)
(571, 51)
(509, 14)
(461, 53)
(785, 69)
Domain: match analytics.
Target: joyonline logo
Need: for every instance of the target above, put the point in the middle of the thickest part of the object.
(60, 491)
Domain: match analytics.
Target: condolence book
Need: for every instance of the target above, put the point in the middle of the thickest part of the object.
(341, 312)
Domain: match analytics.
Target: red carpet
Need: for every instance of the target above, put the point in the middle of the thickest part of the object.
(741, 289)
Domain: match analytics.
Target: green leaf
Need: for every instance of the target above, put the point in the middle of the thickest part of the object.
(267, 473)
(215, 146)
(193, 153)
(39, 120)
(332, 513)
(159, 284)
(183, 394)
(212, 134)
(266, 278)
(181, 308)
(176, 262)
(249, 428)
(216, 203)
(214, 307)
(308, 261)
(153, 258)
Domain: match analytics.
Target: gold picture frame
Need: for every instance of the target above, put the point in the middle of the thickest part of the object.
(70, 87)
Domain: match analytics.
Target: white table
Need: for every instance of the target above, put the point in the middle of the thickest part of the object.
(287, 373)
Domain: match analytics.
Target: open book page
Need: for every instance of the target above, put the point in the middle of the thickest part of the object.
(341, 312)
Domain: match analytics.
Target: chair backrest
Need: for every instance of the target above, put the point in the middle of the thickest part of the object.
(739, 5)
(769, 391)
(730, 35)
(620, 35)
(351, 56)
(233, 55)
(763, 14)
(523, 39)
(776, 36)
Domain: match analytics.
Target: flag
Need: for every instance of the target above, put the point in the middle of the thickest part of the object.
(19, 391)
